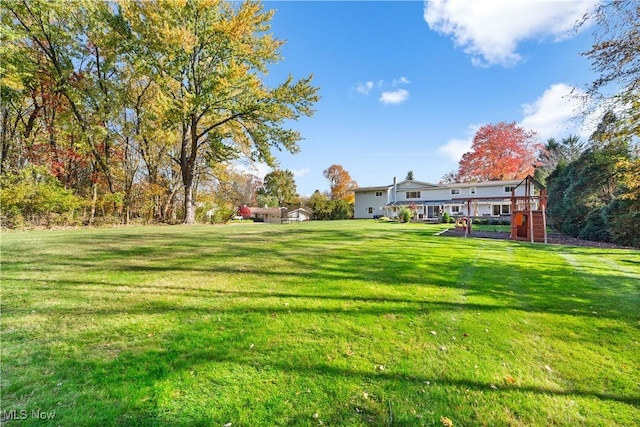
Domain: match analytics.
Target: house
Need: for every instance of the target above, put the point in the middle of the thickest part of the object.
(279, 215)
(295, 215)
(265, 214)
(429, 201)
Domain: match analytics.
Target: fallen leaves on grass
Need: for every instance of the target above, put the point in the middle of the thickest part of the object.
(446, 422)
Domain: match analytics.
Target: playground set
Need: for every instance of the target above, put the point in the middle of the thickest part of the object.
(528, 212)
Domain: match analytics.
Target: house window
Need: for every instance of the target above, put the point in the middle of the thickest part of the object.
(413, 194)
(378, 193)
(455, 209)
(472, 190)
(508, 189)
(501, 210)
(455, 191)
(370, 210)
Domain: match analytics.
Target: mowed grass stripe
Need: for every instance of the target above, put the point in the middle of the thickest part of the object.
(340, 323)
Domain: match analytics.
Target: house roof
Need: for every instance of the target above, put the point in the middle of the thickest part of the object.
(537, 184)
(298, 210)
(257, 210)
(481, 184)
(420, 183)
(422, 202)
(379, 188)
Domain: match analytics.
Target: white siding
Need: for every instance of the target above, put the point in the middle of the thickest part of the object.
(438, 195)
(368, 199)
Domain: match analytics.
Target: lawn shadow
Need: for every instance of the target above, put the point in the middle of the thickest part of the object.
(197, 349)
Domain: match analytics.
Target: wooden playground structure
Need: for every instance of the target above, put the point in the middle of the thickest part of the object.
(528, 212)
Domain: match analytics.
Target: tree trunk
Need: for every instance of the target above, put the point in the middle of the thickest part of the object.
(94, 201)
(188, 156)
(189, 205)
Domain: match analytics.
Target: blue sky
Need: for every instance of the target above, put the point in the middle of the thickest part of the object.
(405, 85)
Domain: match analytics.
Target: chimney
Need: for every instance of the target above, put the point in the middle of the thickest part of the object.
(395, 190)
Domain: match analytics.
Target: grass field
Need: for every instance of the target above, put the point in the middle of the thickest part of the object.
(323, 323)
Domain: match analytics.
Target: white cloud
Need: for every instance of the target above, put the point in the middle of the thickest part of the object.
(394, 97)
(297, 173)
(401, 81)
(456, 147)
(387, 93)
(365, 88)
(556, 113)
(490, 30)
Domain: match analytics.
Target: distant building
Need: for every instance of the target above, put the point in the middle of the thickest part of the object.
(272, 215)
(279, 215)
(429, 201)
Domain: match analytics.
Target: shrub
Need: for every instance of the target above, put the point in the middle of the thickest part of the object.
(340, 209)
(595, 226)
(405, 215)
(446, 218)
(34, 195)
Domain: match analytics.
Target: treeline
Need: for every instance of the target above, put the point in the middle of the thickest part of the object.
(131, 110)
(594, 193)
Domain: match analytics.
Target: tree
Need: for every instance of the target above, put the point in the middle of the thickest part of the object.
(556, 153)
(615, 56)
(340, 209)
(595, 196)
(67, 46)
(341, 184)
(281, 185)
(623, 214)
(245, 212)
(502, 151)
(237, 187)
(450, 178)
(319, 204)
(409, 176)
(207, 58)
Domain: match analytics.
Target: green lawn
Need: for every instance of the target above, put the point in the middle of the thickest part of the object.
(323, 323)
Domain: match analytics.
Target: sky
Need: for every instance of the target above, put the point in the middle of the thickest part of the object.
(404, 85)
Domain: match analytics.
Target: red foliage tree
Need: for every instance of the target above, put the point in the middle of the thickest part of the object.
(500, 151)
(245, 212)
